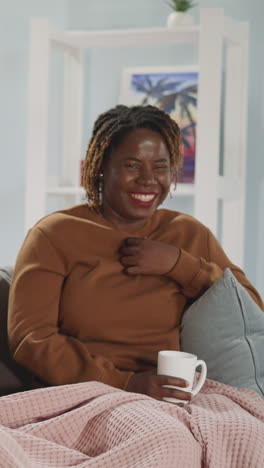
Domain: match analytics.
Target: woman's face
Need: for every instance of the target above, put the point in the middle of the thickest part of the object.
(137, 177)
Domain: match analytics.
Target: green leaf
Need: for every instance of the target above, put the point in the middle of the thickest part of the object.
(181, 5)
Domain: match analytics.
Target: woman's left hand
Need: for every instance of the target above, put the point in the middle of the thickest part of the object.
(147, 257)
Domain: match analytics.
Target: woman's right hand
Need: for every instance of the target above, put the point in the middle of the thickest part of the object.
(151, 384)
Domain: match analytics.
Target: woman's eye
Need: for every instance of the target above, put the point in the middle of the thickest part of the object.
(131, 165)
(161, 167)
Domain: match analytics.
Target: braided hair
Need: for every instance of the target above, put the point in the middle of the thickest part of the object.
(111, 127)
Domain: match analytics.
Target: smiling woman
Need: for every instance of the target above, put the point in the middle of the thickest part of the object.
(114, 127)
(100, 288)
(137, 178)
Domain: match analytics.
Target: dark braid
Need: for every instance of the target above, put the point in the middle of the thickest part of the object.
(109, 129)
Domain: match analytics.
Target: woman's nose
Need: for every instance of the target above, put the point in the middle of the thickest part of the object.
(147, 177)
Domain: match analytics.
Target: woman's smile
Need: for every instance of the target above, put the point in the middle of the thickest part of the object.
(143, 199)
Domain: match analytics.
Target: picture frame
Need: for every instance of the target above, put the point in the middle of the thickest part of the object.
(173, 89)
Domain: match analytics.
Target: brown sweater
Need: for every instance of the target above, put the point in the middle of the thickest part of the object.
(74, 315)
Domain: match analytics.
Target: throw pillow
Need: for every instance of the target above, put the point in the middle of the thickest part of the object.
(225, 328)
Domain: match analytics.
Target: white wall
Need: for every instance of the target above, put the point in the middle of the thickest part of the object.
(14, 39)
(102, 73)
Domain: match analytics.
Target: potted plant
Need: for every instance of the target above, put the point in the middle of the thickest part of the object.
(179, 16)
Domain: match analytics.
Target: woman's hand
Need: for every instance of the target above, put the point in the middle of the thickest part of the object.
(147, 257)
(151, 384)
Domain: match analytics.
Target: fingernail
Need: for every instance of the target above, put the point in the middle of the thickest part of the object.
(186, 383)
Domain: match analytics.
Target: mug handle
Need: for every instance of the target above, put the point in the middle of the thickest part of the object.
(202, 378)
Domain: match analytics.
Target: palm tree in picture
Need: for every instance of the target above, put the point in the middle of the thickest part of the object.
(184, 96)
(185, 133)
(151, 88)
(167, 94)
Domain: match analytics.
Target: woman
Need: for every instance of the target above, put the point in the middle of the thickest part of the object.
(99, 289)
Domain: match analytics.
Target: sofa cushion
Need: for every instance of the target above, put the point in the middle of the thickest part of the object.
(13, 378)
(225, 328)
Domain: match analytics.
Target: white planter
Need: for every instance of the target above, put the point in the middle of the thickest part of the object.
(178, 18)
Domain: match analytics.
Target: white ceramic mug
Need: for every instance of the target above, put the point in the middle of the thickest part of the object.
(183, 365)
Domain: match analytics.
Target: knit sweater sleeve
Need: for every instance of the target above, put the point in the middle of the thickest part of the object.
(195, 274)
(35, 339)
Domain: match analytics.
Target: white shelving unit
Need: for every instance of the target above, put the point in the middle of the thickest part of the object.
(223, 51)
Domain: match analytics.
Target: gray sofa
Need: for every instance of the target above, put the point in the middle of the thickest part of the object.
(13, 377)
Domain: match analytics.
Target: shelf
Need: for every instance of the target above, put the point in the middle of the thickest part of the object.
(65, 190)
(126, 37)
(181, 190)
(234, 31)
(229, 188)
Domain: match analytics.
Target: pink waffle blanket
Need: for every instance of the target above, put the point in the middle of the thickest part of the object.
(94, 425)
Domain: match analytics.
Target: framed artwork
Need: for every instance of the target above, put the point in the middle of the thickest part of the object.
(174, 90)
